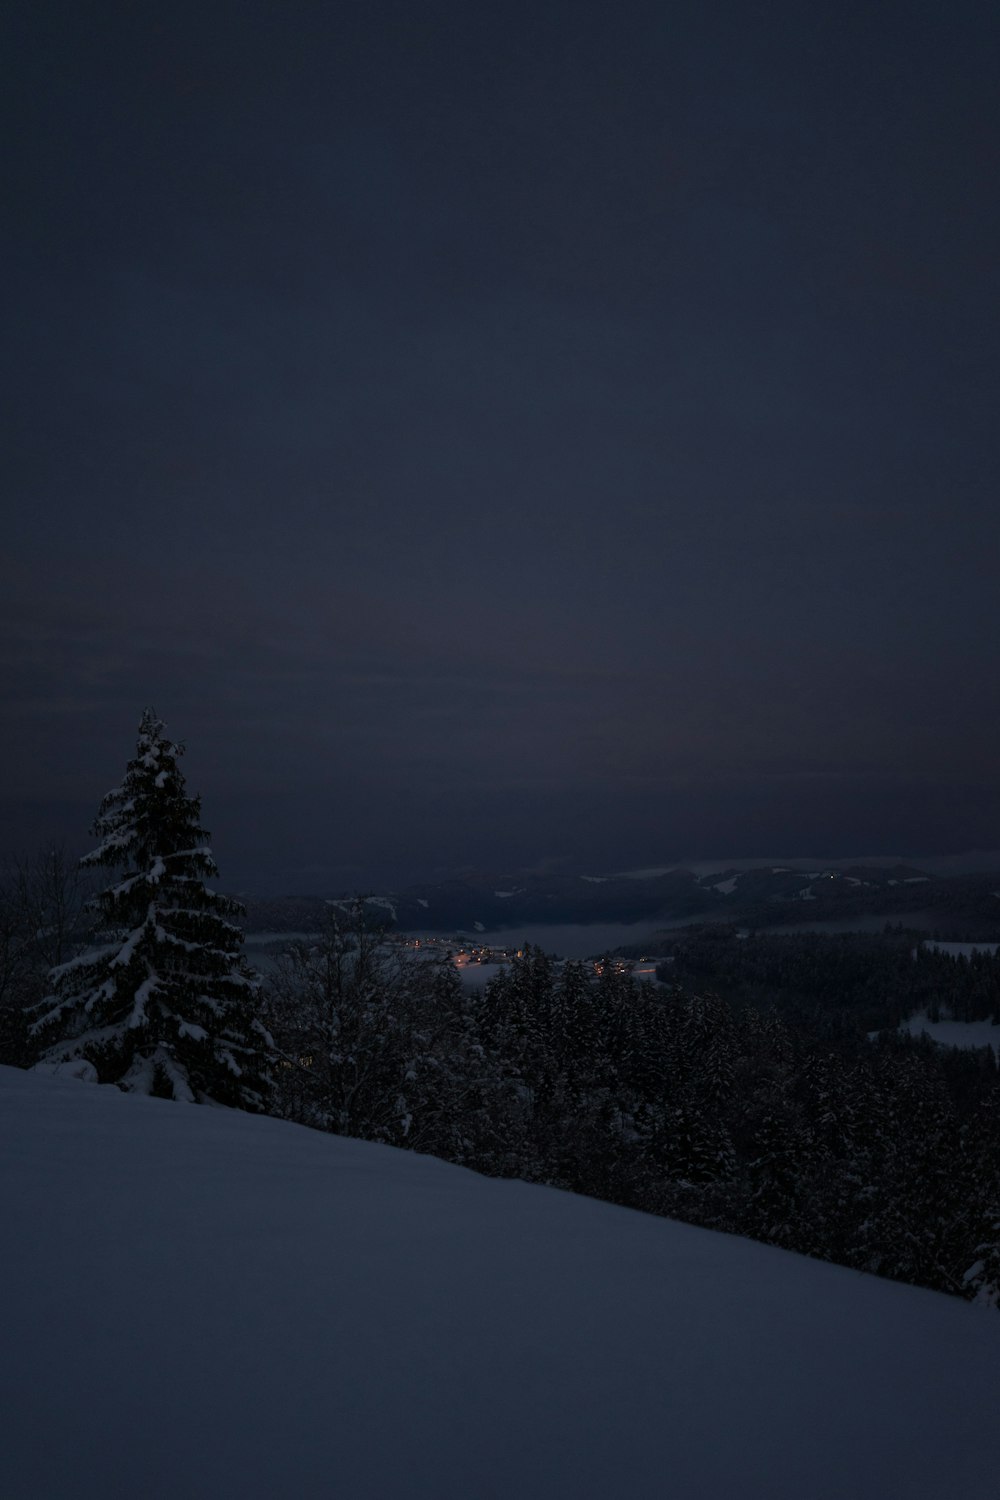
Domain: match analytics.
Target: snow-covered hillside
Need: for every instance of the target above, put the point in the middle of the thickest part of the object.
(200, 1303)
(954, 1033)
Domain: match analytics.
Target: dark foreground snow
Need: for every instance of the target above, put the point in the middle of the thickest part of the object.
(200, 1303)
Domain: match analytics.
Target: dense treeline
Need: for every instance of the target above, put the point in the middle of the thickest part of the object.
(43, 921)
(961, 906)
(882, 1156)
(840, 984)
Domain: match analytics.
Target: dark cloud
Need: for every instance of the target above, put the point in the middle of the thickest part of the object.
(508, 432)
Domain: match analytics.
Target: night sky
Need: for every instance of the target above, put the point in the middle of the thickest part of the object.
(498, 434)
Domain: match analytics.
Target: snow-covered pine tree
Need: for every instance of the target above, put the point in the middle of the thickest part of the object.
(165, 1004)
(982, 1280)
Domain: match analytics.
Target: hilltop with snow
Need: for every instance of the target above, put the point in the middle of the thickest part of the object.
(205, 1303)
(747, 893)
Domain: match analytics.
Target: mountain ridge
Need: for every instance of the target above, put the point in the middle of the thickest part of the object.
(966, 904)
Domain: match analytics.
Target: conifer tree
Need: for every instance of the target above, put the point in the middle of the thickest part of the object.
(982, 1279)
(165, 1003)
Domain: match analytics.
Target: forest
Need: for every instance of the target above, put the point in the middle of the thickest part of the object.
(836, 984)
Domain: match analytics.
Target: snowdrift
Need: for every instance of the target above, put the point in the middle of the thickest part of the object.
(201, 1303)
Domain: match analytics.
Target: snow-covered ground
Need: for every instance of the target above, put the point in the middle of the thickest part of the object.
(955, 1034)
(477, 976)
(207, 1305)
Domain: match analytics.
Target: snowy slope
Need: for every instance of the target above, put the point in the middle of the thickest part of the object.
(199, 1303)
(954, 1033)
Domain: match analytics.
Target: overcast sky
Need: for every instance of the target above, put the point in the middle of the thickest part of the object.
(498, 433)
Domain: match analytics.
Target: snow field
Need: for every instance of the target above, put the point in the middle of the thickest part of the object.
(954, 1033)
(203, 1303)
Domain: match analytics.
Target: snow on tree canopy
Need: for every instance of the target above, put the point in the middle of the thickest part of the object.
(164, 1002)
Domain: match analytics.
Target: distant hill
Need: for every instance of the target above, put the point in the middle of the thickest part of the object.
(964, 905)
(208, 1304)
